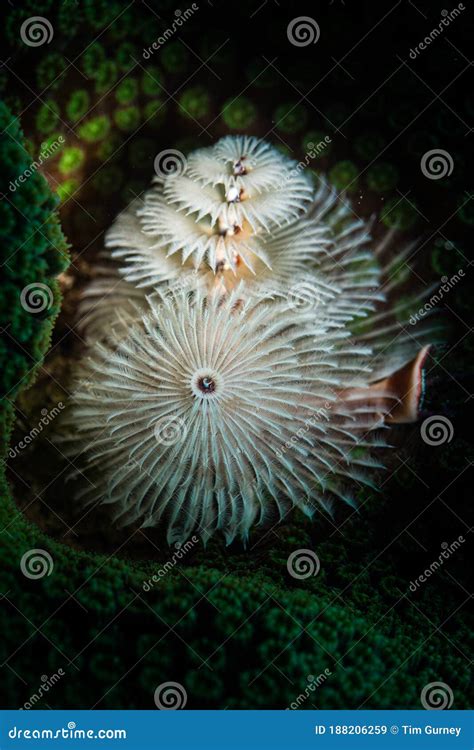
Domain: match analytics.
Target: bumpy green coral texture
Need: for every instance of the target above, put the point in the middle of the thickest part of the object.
(33, 251)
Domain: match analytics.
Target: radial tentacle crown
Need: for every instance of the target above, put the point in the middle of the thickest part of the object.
(245, 352)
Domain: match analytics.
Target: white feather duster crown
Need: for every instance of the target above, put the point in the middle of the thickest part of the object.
(225, 383)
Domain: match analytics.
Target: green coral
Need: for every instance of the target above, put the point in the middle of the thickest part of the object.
(382, 177)
(291, 117)
(399, 213)
(26, 260)
(345, 176)
(78, 104)
(125, 55)
(47, 117)
(95, 129)
(195, 103)
(106, 76)
(152, 81)
(67, 188)
(127, 119)
(50, 70)
(127, 91)
(71, 159)
(239, 113)
(92, 59)
(175, 57)
(369, 145)
(155, 112)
